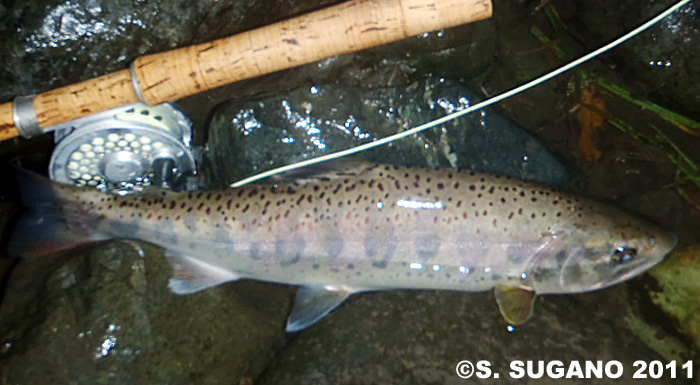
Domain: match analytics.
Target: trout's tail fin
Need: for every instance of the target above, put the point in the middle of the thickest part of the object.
(54, 218)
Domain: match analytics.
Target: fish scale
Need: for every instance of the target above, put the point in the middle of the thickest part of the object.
(376, 227)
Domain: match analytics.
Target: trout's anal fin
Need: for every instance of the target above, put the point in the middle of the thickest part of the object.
(191, 275)
(312, 304)
(515, 303)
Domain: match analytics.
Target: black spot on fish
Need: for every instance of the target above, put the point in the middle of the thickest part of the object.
(316, 266)
(380, 264)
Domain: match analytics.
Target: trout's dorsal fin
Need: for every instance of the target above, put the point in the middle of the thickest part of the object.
(191, 275)
(330, 170)
(515, 303)
(312, 304)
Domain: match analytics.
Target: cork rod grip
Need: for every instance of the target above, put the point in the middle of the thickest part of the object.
(169, 76)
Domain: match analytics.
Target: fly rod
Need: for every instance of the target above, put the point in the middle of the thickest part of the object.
(172, 75)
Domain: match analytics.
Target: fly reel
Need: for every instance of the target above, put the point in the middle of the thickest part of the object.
(126, 149)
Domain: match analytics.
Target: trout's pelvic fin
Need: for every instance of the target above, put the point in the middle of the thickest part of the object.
(191, 275)
(312, 304)
(515, 303)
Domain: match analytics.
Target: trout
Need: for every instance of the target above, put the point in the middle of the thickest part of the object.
(364, 228)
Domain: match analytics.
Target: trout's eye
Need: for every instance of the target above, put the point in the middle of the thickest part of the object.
(624, 254)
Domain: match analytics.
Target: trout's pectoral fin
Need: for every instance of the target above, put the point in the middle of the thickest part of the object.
(191, 275)
(313, 303)
(515, 303)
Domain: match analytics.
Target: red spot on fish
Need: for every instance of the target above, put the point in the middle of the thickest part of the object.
(435, 219)
(465, 215)
(495, 222)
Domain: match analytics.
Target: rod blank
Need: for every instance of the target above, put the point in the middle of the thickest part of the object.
(172, 75)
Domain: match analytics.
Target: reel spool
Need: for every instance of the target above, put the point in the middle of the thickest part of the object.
(126, 149)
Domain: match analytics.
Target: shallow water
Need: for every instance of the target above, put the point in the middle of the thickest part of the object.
(103, 314)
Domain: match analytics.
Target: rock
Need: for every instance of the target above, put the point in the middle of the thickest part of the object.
(104, 314)
(418, 337)
(246, 138)
(55, 43)
(663, 59)
(673, 288)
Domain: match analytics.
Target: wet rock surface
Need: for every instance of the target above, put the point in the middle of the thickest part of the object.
(419, 338)
(104, 314)
(252, 137)
(53, 43)
(664, 59)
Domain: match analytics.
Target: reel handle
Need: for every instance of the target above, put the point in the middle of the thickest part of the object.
(168, 76)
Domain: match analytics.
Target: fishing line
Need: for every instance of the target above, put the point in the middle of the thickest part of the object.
(478, 106)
